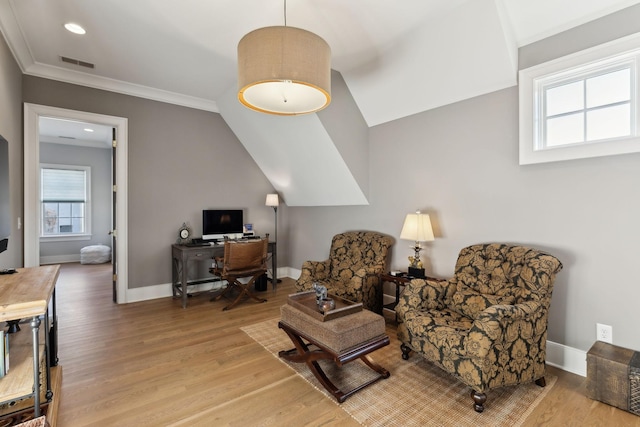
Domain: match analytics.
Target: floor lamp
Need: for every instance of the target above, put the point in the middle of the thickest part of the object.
(272, 200)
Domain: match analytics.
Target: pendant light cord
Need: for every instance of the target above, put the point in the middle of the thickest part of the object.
(285, 13)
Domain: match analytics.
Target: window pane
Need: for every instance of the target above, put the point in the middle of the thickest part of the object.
(50, 218)
(610, 122)
(77, 225)
(53, 207)
(609, 88)
(77, 209)
(565, 98)
(64, 209)
(565, 130)
(65, 229)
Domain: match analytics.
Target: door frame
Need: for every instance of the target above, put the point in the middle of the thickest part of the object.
(31, 241)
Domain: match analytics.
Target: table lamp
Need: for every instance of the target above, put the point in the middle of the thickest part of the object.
(417, 227)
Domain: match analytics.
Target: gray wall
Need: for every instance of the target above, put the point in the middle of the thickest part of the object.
(181, 161)
(99, 159)
(11, 130)
(460, 164)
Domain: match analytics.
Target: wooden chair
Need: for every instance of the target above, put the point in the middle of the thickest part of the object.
(241, 260)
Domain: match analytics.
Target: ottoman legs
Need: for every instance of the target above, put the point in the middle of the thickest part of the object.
(302, 354)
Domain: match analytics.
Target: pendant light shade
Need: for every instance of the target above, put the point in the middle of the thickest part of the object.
(284, 70)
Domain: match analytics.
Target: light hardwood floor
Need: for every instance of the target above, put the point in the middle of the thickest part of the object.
(153, 363)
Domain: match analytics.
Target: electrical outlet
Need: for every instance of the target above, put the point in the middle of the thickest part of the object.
(604, 333)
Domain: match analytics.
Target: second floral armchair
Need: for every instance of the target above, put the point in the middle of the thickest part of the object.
(356, 258)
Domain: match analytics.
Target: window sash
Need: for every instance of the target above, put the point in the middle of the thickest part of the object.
(65, 200)
(578, 66)
(549, 120)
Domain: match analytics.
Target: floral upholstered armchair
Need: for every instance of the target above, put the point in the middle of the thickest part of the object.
(351, 272)
(488, 324)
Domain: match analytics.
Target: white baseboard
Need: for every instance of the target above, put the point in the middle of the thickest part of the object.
(567, 358)
(558, 355)
(293, 273)
(164, 290)
(59, 259)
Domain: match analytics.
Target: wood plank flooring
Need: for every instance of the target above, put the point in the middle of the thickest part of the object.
(153, 363)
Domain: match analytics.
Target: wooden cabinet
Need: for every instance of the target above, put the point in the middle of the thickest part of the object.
(27, 295)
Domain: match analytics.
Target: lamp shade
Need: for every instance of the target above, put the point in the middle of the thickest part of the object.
(284, 70)
(417, 227)
(272, 200)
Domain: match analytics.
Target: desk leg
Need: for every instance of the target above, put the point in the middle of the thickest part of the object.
(183, 281)
(35, 328)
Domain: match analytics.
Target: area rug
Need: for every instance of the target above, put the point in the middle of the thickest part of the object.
(416, 394)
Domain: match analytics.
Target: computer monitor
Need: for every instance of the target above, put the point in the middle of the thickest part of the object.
(221, 223)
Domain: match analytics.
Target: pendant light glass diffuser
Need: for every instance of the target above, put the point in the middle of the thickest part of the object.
(284, 70)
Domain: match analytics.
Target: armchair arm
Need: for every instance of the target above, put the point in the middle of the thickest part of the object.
(312, 271)
(420, 295)
(505, 323)
(366, 286)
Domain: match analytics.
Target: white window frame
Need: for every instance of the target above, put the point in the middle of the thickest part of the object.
(87, 226)
(568, 67)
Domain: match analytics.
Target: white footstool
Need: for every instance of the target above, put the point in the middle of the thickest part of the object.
(95, 254)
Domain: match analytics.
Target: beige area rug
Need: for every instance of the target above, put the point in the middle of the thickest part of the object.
(416, 394)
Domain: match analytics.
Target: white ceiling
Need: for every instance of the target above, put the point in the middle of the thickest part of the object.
(397, 58)
(70, 132)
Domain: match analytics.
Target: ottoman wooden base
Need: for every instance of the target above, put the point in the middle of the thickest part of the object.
(302, 354)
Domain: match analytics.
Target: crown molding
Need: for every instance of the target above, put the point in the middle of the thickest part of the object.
(19, 47)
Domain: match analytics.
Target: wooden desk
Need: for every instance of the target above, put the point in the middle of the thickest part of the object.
(26, 294)
(182, 254)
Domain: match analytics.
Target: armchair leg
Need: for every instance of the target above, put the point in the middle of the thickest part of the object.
(541, 382)
(405, 351)
(478, 400)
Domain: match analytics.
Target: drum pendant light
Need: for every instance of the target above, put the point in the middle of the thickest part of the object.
(284, 70)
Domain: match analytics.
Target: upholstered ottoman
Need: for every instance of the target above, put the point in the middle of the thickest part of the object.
(95, 254)
(342, 340)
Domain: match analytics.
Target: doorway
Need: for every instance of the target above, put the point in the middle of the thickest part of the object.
(32, 214)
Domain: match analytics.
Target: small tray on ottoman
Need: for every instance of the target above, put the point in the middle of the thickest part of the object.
(306, 302)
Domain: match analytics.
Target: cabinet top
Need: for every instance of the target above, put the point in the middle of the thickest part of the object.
(26, 293)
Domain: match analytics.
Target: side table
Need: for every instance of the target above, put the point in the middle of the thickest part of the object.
(399, 281)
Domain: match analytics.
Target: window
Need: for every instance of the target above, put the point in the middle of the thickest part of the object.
(65, 200)
(582, 105)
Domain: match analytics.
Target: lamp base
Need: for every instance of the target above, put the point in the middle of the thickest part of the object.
(416, 272)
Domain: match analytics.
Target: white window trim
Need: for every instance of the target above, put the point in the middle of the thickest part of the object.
(77, 236)
(527, 77)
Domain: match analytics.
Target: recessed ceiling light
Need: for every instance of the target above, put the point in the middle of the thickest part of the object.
(74, 28)
(88, 130)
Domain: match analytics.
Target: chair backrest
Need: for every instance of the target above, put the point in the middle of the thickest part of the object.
(500, 269)
(357, 249)
(245, 257)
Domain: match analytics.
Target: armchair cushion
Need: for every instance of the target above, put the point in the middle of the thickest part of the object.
(470, 303)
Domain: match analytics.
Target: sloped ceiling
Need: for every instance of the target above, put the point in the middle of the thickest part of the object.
(395, 58)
